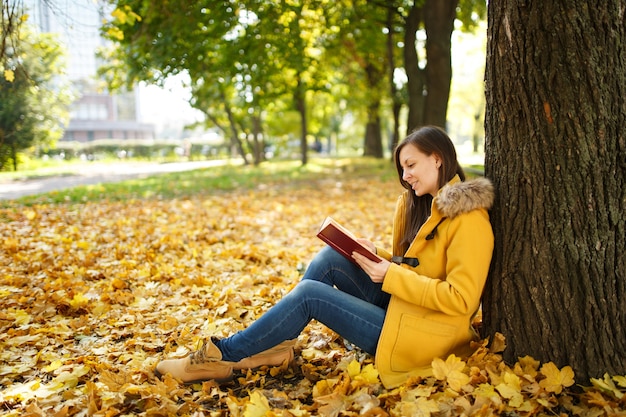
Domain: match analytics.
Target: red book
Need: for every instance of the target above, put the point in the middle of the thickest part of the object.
(343, 241)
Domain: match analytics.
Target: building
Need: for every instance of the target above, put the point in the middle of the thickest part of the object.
(95, 114)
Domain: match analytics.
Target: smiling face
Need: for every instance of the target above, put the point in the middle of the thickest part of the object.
(419, 170)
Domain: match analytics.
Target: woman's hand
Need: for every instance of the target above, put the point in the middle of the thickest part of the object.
(369, 245)
(376, 270)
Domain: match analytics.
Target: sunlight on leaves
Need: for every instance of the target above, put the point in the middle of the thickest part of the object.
(92, 296)
(9, 75)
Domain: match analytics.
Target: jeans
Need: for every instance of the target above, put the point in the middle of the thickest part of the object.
(333, 291)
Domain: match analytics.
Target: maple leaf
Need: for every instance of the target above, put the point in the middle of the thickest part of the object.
(527, 366)
(22, 317)
(421, 407)
(498, 344)
(258, 405)
(607, 385)
(334, 404)
(79, 301)
(555, 379)
(621, 380)
(451, 371)
(92, 296)
(511, 389)
(485, 395)
(368, 374)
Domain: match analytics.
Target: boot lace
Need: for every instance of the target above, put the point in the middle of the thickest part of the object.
(200, 355)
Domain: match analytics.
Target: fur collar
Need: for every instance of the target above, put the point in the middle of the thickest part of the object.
(458, 197)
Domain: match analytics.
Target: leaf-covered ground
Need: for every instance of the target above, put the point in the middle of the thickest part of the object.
(93, 295)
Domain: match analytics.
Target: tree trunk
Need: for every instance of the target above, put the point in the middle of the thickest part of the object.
(415, 75)
(300, 99)
(258, 145)
(14, 156)
(373, 138)
(396, 100)
(373, 143)
(234, 138)
(439, 18)
(556, 151)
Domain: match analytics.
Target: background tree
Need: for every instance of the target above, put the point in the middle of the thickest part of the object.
(556, 151)
(33, 104)
(358, 51)
(259, 52)
(428, 59)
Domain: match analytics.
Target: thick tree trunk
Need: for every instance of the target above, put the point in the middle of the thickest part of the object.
(439, 18)
(415, 75)
(373, 138)
(373, 143)
(556, 151)
(396, 100)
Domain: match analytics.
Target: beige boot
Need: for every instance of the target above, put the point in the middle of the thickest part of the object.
(275, 356)
(201, 365)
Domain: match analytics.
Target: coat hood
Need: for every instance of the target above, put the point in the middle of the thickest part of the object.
(458, 197)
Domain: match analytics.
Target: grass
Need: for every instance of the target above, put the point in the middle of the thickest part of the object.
(216, 179)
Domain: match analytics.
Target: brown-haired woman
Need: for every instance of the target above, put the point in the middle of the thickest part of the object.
(415, 304)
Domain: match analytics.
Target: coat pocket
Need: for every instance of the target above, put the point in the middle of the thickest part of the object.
(419, 341)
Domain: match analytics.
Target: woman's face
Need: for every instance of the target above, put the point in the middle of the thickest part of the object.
(421, 171)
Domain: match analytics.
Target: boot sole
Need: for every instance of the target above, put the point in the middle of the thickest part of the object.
(198, 381)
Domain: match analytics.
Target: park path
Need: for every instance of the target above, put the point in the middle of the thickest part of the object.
(96, 173)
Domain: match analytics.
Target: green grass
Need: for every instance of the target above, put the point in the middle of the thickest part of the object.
(213, 180)
(216, 179)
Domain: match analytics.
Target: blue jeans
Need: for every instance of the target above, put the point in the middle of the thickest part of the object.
(333, 291)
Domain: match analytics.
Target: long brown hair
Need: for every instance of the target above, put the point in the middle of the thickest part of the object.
(428, 140)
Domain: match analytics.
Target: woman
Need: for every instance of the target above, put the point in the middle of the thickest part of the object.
(414, 305)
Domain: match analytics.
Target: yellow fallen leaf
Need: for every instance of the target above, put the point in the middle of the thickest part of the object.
(54, 365)
(511, 389)
(354, 368)
(22, 392)
(487, 391)
(334, 404)
(421, 407)
(257, 407)
(22, 317)
(324, 387)
(555, 379)
(451, 371)
(368, 374)
(606, 384)
(441, 369)
(498, 344)
(79, 301)
(528, 366)
(621, 380)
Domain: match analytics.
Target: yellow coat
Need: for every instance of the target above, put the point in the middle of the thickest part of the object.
(432, 304)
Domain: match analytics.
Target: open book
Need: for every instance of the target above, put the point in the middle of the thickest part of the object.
(343, 241)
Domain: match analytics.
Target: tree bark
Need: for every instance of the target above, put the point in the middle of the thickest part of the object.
(556, 152)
